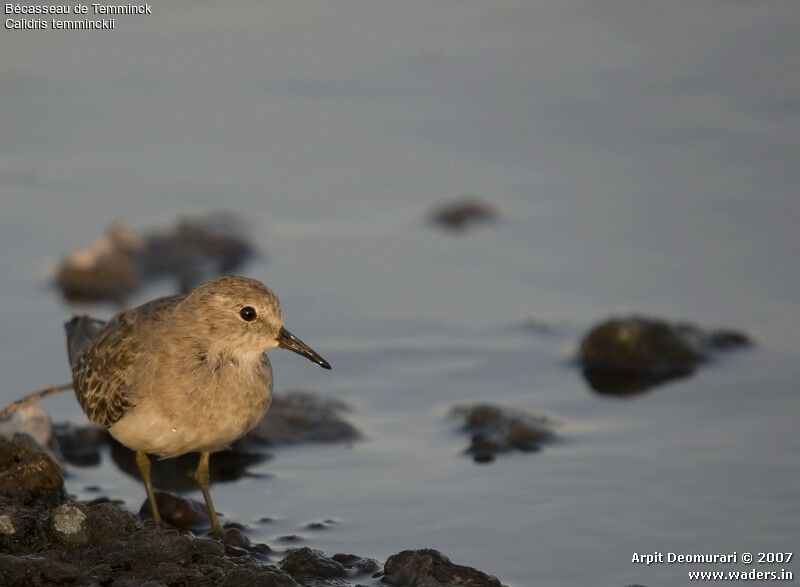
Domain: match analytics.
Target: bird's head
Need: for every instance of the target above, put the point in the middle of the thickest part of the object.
(241, 317)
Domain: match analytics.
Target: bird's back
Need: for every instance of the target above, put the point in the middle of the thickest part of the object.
(102, 356)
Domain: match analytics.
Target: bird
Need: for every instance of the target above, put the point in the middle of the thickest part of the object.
(182, 374)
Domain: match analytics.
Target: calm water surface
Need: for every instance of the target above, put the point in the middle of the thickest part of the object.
(644, 158)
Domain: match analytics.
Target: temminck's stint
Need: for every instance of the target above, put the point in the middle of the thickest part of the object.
(183, 373)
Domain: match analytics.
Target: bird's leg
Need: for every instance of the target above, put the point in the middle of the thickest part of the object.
(202, 477)
(143, 462)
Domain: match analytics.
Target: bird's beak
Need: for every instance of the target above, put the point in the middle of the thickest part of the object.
(287, 340)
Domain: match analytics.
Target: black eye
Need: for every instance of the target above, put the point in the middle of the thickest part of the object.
(248, 313)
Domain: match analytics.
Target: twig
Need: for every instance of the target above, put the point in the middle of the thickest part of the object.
(32, 397)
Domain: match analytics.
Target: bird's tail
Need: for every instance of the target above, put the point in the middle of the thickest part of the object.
(81, 330)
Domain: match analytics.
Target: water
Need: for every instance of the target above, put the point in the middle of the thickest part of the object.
(643, 156)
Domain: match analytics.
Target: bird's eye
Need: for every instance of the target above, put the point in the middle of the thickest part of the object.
(248, 313)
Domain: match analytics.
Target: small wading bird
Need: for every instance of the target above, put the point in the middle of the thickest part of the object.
(183, 373)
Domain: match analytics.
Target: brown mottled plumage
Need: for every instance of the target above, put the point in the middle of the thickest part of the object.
(183, 373)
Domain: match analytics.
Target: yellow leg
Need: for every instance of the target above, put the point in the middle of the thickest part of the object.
(143, 462)
(202, 477)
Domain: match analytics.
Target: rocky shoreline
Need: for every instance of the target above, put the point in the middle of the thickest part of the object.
(47, 538)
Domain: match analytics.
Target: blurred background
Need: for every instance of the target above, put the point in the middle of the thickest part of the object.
(637, 157)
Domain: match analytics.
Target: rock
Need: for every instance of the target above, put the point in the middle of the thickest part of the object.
(30, 419)
(7, 525)
(27, 473)
(197, 248)
(497, 429)
(357, 565)
(458, 215)
(81, 445)
(303, 416)
(304, 563)
(235, 537)
(108, 522)
(193, 250)
(320, 524)
(430, 568)
(541, 326)
(23, 571)
(44, 543)
(623, 356)
(178, 511)
(107, 270)
(68, 522)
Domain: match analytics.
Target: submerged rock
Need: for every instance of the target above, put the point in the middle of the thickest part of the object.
(458, 215)
(430, 568)
(177, 511)
(496, 429)
(193, 250)
(81, 445)
(106, 270)
(357, 565)
(196, 249)
(624, 356)
(304, 563)
(304, 416)
(312, 567)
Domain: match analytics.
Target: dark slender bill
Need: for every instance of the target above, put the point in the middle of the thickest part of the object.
(287, 340)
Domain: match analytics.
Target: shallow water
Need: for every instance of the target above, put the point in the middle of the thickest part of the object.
(643, 157)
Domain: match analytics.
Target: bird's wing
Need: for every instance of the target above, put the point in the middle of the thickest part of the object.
(102, 375)
(104, 370)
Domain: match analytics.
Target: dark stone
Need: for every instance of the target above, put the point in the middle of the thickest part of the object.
(108, 522)
(27, 473)
(496, 429)
(178, 511)
(22, 571)
(197, 249)
(261, 548)
(106, 270)
(81, 446)
(458, 215)
(304, 563)
(724, 340)
(264, 577)
(625, 356)
(103, 544)
(357, 565)
(235, 537)
(302, 416)
(430, 568)
(193, 250)
(235, 551)
(103, 499)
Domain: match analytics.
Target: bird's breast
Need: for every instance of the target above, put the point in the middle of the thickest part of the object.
(205, 412)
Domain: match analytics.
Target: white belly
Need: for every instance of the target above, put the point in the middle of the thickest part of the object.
(206, 421)
(164, 436)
